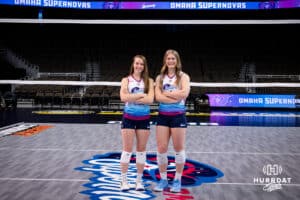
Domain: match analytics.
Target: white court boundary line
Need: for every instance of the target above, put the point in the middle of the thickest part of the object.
(43, 179)
(253, 184)
(247, 153)
(103, 150)
(86, 180)
(111, 83)
(148, 21)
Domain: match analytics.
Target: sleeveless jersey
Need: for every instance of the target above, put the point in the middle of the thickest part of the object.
(169, 83)
(134, 110)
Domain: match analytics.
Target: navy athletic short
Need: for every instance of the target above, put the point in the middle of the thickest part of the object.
(135, 124)
(172, 121)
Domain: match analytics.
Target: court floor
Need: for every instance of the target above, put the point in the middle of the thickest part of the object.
(74, 161)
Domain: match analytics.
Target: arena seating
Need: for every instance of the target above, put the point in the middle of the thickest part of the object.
(209, 58)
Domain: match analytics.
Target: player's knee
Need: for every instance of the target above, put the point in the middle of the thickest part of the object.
(180, 157)
(162, 147)
(141, 157)
(162, 158)
(125, 157)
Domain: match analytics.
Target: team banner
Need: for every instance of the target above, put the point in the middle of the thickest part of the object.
(253, 100)
(156, 5)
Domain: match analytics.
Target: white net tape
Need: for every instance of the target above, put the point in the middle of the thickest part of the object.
(108, 83)
(152, 21)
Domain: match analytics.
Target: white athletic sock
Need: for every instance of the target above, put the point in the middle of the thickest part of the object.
(139, 177)
(178, 176)
(163, 175)
(124, 176)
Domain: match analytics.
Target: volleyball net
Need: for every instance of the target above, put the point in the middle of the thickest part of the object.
(104, 95)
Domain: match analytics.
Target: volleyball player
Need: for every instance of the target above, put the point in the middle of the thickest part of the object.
(137, 91)
(172, 87)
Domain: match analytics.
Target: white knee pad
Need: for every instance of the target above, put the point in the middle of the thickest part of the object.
(180, 157)
(141, 157)
(125, 157)
(162, 158)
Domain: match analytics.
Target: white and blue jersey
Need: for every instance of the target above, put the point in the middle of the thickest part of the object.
(132, 110)
(169, 84)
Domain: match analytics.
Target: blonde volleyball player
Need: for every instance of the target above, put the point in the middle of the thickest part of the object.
(137, 91)
(172, 87)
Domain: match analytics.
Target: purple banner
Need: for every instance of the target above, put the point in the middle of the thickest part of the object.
(253, 100)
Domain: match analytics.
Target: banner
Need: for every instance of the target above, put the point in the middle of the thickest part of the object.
(155, 5)
(253, 100)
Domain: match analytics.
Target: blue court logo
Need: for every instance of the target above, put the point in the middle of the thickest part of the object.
(105, 183)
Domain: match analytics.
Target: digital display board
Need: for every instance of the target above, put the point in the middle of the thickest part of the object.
(156, 5)
(253, 100)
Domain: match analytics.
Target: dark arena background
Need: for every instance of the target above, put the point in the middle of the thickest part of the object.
(61, 65)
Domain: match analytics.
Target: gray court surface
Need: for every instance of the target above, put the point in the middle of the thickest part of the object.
(43, 166)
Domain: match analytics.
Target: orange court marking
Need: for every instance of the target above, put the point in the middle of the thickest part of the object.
(33, 131)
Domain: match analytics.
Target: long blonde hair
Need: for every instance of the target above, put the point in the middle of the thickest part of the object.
(164, 69)
(145, 73)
